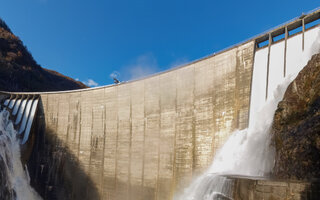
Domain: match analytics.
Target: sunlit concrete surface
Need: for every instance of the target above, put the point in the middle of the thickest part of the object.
(148, 138)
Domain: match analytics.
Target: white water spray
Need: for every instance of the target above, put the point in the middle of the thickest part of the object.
(247, 152)
(16, 181)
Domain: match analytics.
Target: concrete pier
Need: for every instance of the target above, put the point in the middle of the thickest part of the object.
(148, 138)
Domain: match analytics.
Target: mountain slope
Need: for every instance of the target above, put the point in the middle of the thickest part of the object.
(19, 72)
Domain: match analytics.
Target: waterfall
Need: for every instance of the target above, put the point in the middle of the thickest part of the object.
(247, 152)
(14, 179)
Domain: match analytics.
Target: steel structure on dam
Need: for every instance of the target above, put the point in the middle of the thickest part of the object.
(147, 138)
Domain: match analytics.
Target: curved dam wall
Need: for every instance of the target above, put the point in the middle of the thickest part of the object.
(146, 139)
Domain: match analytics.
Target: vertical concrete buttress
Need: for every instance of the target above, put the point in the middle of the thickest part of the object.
(147, 139)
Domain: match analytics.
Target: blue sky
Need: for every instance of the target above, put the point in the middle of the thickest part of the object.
(90, 39)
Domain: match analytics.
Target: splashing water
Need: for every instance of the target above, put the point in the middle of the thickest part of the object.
(247, 152)
(15, 182)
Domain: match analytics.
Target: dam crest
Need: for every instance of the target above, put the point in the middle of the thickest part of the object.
(147, 139)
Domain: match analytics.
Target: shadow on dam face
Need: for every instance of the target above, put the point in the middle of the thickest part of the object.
(147, 139)
(54, 171)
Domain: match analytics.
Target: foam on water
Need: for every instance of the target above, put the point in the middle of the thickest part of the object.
(15, 178)
(247, 152)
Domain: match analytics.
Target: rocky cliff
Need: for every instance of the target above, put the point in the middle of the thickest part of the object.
(296, 127)
(20, 72)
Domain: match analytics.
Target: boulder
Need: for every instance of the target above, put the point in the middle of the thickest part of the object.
(296, 126)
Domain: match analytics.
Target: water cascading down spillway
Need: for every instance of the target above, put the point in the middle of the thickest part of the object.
(22, 112)
(16, 118)
(249, 152)
(146, 139)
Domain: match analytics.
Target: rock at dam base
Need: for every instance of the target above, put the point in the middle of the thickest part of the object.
(296, 126)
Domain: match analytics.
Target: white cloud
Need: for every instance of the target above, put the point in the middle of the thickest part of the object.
(91, 83)
(142, 66)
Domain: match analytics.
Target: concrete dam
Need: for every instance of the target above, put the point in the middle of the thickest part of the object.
(147, 139)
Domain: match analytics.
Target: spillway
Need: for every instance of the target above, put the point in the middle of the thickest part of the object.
(149, 138)
(14, 177)
(249, 152)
